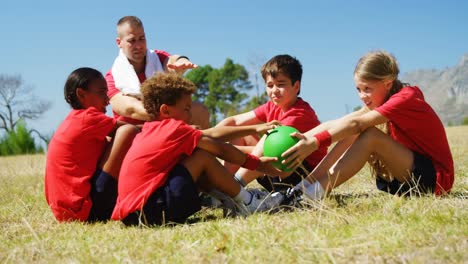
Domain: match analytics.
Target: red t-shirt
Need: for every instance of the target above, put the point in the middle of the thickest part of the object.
(300, 116)
(112, 90)
(72, 158)
(155, 151)
(414, 124)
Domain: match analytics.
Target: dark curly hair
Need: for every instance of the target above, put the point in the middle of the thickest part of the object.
(164, 88)
(79, 78)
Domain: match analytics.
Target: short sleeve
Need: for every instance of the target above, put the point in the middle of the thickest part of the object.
(97, 124)
(163, 55)
(404, 104)
(186, 136)
(261, 112)
(111, 89)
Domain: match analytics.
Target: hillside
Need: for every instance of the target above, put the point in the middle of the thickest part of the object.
(446, 90)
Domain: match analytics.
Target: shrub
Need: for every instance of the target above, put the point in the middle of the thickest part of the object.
(465, 121)
(18, 142)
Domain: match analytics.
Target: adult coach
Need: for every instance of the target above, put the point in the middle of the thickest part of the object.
(134, 64)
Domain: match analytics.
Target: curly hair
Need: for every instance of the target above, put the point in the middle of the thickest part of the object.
(164, 88)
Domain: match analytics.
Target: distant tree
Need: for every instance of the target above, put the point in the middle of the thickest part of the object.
(255, 101)
(450, 123)
(465, 121)
(18, 103)
(221, 90)
(199, 76)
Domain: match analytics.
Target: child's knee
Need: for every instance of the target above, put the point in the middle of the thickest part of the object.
(201, 155)
(371, 135)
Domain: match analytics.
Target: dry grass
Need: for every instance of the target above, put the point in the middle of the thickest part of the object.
(355, 224)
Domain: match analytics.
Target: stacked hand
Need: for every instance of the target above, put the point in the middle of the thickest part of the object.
(266, 166)
(264, 127)
(181, 65)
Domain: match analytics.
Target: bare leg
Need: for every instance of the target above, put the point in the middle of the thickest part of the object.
(209, 174)
(117, 149)
(396, 157)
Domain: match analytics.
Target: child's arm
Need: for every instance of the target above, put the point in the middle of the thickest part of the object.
(226, 133)
(337, 130)
(228, 152)
(247, 118)
(118, 124)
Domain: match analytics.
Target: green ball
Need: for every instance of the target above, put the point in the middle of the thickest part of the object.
(278, 141)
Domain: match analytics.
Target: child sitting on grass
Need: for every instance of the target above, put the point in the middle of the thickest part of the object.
(413, 157)
(82, 166)
(282, 75)
(170, 161)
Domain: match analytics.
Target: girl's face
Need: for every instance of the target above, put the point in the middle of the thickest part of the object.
(181, 110)
(281, 91)
(372, 93)
(95, 96)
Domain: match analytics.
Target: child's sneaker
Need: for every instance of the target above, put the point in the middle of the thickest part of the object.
(221, 200)
(293, 198)
(264, 201)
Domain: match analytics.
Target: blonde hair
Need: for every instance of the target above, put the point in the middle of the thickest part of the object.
(379, 66)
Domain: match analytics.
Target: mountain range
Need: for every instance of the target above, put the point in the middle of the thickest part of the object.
(445, 90)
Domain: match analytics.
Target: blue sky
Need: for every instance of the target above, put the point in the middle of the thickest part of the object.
(46, 40)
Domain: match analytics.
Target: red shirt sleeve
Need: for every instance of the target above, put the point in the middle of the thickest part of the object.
(163, 55)
(262, 112)
(97, 124)
(189, 137)
(111, 89)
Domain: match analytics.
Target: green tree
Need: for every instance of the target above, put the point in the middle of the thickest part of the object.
(199, 76)
(223, 90)
(255, 101)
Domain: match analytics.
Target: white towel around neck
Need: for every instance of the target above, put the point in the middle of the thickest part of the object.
(125, 77)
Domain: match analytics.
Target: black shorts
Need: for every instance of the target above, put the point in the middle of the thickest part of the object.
(423, 179)
(174, 202)
(103, 200)
(275, 184)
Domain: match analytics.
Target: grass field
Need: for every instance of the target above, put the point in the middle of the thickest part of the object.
(355, 224)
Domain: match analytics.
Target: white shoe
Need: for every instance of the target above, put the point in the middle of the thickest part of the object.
(263, 201)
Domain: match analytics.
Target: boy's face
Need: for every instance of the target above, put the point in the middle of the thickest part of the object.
(181, 110)
(95, 96)
(132, 41)
(281, 91)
